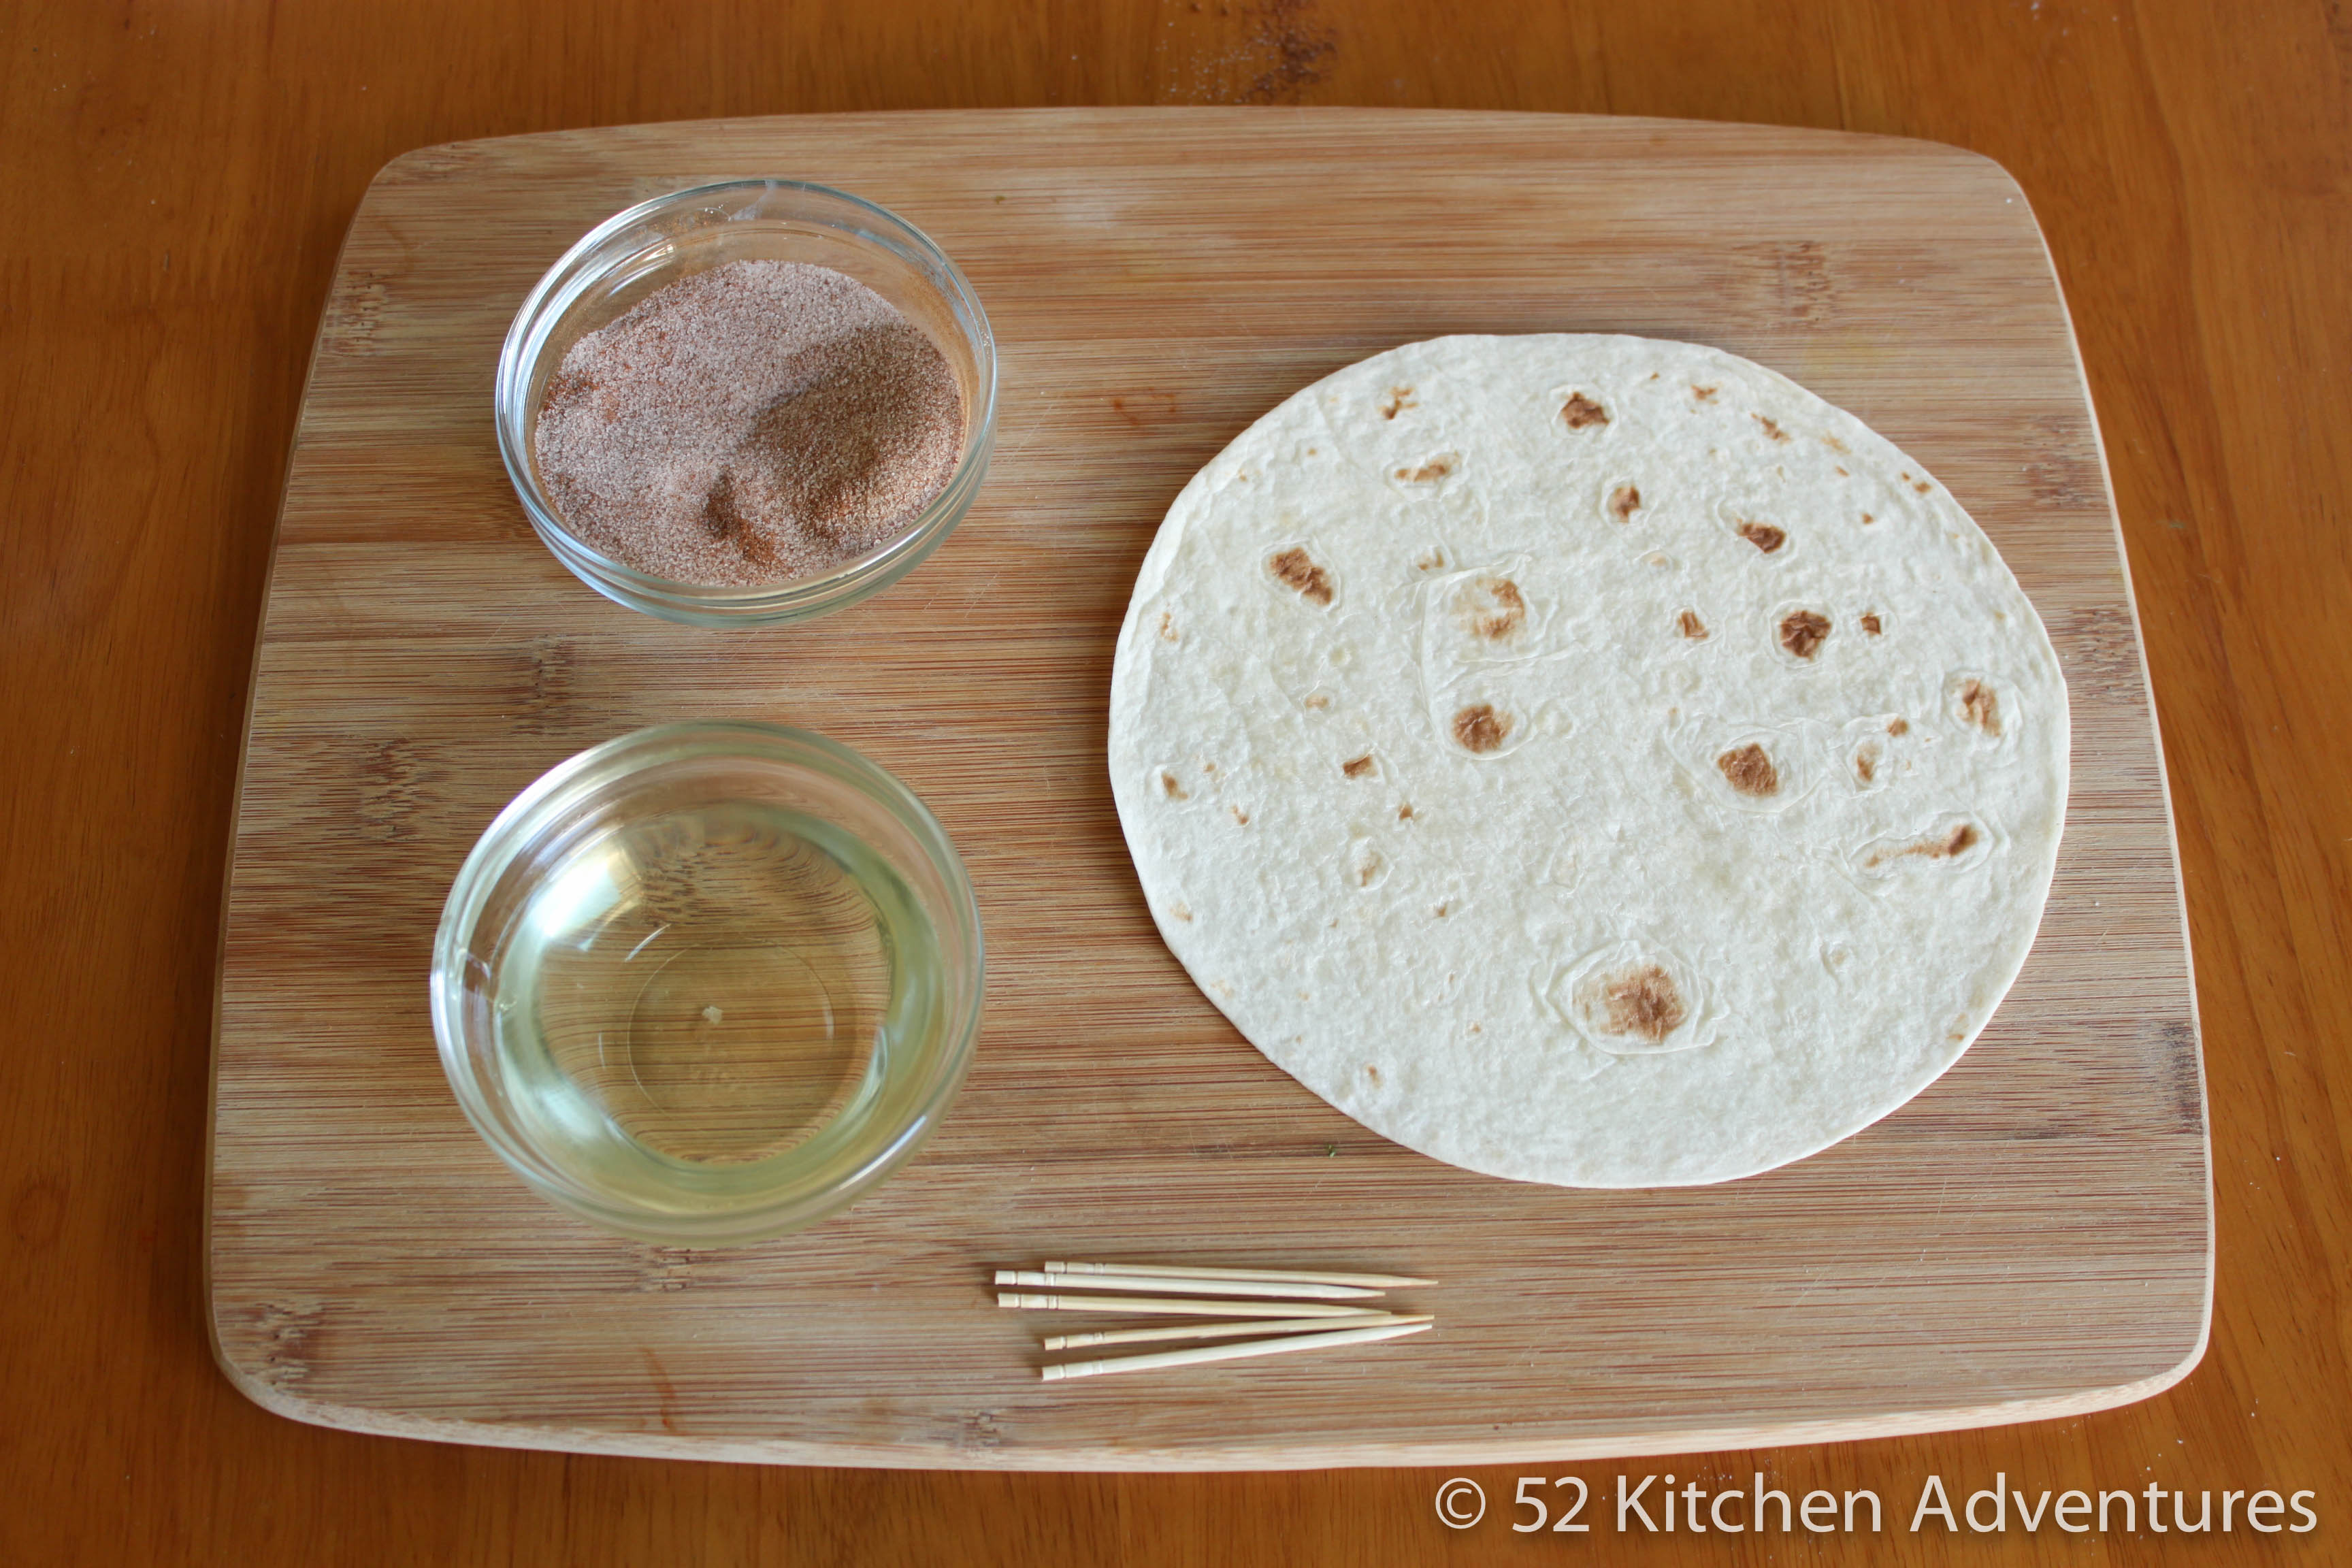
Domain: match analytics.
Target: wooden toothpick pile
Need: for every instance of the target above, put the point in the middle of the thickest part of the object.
(1291, 1310)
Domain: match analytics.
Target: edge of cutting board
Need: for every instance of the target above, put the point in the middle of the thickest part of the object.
(1290, 1457)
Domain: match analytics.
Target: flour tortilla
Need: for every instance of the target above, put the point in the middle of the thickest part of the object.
(1587, 760)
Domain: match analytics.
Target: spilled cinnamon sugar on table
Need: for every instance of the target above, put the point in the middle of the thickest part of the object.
(742, 426)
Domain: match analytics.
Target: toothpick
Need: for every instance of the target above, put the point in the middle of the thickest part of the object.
(1161, 1304)
(1146, 1283)
(1307, 1277)
(1282, 1346)
(1232, 1330)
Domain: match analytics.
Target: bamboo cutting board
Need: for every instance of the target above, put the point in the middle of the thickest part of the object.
(2031, 1237)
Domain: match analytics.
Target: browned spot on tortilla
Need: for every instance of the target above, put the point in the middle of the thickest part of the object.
(1833, 444)
(1319, 700)
(1294, 568)
(1168, 783)
(1691, 627)
(1872, 623)
(1496, 609)
(1371, 1072)
(1399, 399)
(1580, 411)
(1957, 842)
(1642, 1001)
(1441, 912)
(1370, 868)
(1921, 486)
(1704, 393)
(1239, 815)
(1980, 708)
(1478, 728)
(1839, 466)
(1623, 501)
(1748, 768)
(1435, 469)
(1404, 814)
(1771, 427)
(1763, 535)
(1802, 632)
(1183, 912)
(1357, 768)
(1865, 762)
(1430, 562)
(1898, 725)
(1867, 520)
(1167, 626)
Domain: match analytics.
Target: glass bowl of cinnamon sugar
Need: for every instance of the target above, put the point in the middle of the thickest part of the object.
(747, 402)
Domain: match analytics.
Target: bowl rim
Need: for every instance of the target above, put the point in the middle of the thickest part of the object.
(543, 804)
(552, 296)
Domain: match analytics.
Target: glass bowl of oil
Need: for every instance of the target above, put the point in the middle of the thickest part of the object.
(709, 982)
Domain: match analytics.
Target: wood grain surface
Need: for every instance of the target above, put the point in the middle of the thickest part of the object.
(179, 179)
(2028, 1237)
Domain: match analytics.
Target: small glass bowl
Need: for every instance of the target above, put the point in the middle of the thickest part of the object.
(633, 253)
(709, 982)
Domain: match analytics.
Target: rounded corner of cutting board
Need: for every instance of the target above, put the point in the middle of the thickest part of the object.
(255, 1383)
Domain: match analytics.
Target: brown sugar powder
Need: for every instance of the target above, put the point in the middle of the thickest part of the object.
(759, 421)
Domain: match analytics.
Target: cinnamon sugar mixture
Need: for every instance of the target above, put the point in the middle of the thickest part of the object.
(760, 421)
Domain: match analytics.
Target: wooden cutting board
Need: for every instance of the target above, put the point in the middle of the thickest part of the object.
(2031, 1237)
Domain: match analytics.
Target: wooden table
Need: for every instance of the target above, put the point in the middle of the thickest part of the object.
(177, 180)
